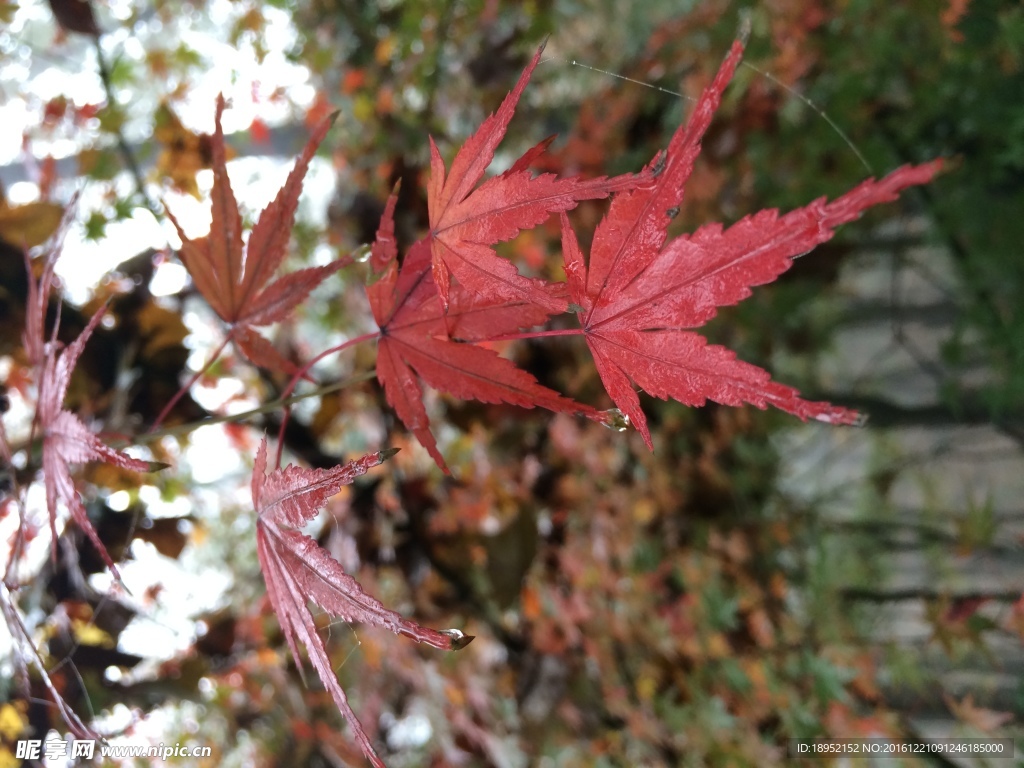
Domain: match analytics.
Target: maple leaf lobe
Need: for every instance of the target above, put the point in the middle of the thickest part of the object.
(466, 220)
(418, 342)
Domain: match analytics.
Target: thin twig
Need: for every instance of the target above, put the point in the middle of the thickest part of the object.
(301, 374)
(122, 144)
(195, 377)
(183, 429)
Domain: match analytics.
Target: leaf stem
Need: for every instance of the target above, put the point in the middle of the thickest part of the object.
(537, 334)
(273, 405)
(195, 377)
(302, 372)
(122, 144)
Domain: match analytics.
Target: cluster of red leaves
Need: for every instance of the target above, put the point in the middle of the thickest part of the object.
(636, 301)
(233, 278)
(418, 337)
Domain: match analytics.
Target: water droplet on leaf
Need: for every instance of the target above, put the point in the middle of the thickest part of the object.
(459, 639)
(362, 253)
(616, 419)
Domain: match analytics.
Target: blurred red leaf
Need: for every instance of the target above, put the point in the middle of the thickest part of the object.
(66, 440)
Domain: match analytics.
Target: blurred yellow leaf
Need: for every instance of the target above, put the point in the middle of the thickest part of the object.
(112, 478)
(12, 721)
(30, 224)
(88, 160)
(363, 107)
(330, 408)
(161, 328)
(88, 633)
(718, 647)
(644, 511)
(385, 50)
(183, 152)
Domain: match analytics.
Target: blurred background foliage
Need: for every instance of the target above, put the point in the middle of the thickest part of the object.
(686, 607)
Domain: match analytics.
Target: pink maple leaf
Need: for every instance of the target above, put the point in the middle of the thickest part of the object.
(297, 570)
(66, 440)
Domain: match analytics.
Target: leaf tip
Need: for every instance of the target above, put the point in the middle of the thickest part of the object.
(386, 454)
(459, 640)
(842, 416)
(743, 32)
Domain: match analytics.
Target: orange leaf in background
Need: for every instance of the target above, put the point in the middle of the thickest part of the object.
(183, 153)
(951, 17)
(258, 131)
(985, 720)
(530, 602)
(842, 723)
(352, 81)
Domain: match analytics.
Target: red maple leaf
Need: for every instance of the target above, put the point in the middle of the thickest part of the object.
(66, 440)
(232, 278)
(297, 570)
(641, 294)
(418, 338)
(466, 220)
